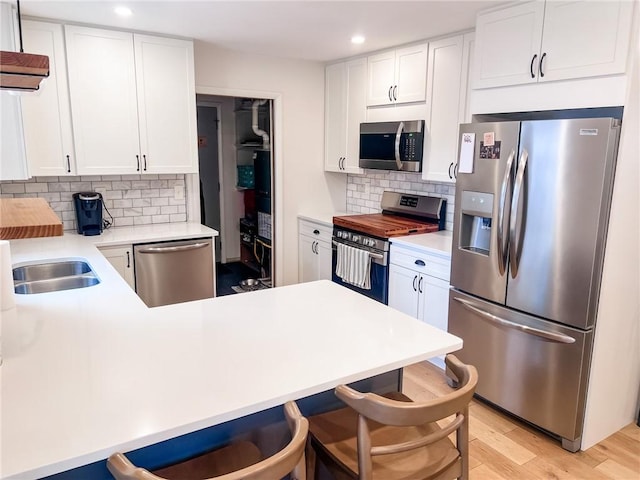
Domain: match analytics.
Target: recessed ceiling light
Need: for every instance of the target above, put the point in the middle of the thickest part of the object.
(123, 11)
(357, 39)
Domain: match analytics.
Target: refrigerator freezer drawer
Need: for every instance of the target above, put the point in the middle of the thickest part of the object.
(534, 369)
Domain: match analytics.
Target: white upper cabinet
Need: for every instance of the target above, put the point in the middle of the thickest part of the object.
(132, 102)
(102, 81)
(398, 76)
(381, 78)
(166, 104)
(46, 113)
(345, 109)
(508, 45)
(585, 39)
(13, 161)
(544, 41)
(444, 96)
(450, 61)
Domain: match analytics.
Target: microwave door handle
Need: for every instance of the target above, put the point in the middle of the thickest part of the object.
(398, 137)
(503, 214)
(514, 229)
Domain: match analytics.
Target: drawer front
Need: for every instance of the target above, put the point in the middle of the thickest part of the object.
(319, 232)
(434, 265)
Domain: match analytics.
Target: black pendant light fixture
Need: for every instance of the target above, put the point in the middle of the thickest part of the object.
(21, 71)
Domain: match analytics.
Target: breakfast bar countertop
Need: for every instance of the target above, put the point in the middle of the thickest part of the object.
(91, 371)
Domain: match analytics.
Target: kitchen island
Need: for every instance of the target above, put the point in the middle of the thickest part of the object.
(91, 371)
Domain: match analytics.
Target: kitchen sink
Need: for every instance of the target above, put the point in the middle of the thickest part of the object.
(53, 276)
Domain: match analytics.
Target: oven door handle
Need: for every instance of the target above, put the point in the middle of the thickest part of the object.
(371, 254)
(397, 149)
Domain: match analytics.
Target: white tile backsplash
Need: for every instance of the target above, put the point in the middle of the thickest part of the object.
(364, 192)
(131, 199)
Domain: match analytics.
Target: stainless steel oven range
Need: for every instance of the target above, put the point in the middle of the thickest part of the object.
(360, 257)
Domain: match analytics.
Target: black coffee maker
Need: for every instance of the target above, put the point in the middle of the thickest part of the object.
(88, 212)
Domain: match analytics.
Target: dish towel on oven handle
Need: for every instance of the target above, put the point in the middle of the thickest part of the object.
(353, 266)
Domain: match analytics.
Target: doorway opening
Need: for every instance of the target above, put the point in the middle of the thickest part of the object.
(235, 140)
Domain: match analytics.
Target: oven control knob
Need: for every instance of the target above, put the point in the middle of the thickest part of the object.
(341, 234)
(356, 238)
(370, 242)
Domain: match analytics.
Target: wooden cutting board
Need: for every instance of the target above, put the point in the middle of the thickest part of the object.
(384, 226)
(28, 218)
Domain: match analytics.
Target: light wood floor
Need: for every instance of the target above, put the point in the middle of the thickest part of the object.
(502, 448)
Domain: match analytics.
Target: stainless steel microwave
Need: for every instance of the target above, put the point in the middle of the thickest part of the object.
(392, 145)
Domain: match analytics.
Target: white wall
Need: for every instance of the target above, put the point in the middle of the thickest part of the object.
(298, 90)
(614, 380)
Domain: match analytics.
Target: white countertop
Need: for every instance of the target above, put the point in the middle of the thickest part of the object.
(91, 371)
(324, 218)
(436, 242)
(72, 244)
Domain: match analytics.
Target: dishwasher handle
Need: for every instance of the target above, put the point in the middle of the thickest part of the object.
(179, 248)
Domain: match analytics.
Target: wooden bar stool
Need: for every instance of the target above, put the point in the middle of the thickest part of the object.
(240, 460)
(391, 437)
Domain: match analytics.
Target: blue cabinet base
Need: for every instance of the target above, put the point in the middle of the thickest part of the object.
(267, 429)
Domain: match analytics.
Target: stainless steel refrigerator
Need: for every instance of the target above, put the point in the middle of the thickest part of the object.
(530, 223)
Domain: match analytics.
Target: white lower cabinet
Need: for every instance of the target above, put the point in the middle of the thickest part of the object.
(314, 251)
(121, 257)
(419, 286)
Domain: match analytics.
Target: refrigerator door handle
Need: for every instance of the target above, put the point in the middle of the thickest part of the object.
(503, 245)
(491, 318)
(398, 137)
(514, 231)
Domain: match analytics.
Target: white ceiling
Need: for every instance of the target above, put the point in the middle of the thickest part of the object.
(302, 29)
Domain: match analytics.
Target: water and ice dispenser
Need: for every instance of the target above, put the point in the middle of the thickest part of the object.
(475, 228)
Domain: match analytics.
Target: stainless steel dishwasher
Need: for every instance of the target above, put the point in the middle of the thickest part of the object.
(174, 272)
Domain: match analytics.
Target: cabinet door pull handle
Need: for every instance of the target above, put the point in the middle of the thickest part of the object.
(450, 165)
(342, 163)
(542, 60)
(420, 262)
(128, 260)
(415, 289)
(316, 232)
(533, 75)
(455, 170)
(68, 164)
(390, 97)
(138, 163)
(144, 157)
(395, 92)
(420, 284)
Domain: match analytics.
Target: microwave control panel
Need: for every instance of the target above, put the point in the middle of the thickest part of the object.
(410, 146)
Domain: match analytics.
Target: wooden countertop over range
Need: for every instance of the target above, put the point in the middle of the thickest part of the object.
(28, 218)
(386, 226)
